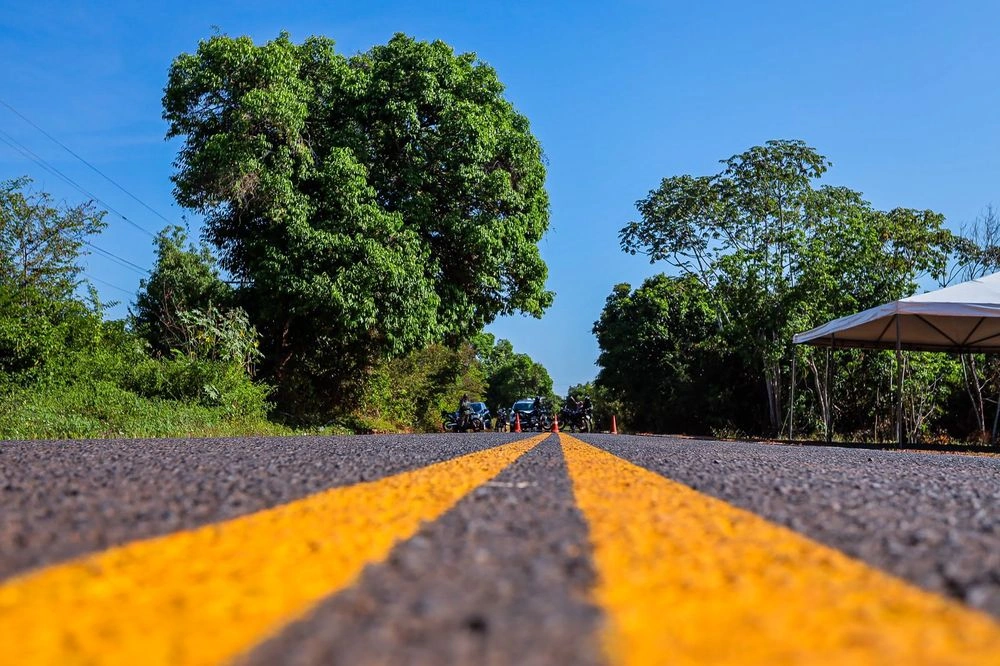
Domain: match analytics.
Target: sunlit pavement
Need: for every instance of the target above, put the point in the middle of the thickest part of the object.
(494, 548)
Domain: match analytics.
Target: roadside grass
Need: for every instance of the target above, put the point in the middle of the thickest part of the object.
(102, 409)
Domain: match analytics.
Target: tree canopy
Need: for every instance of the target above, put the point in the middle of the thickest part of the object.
(41, 242)
(510, 376)
(184, 278)
(776, 254)
(367, 205)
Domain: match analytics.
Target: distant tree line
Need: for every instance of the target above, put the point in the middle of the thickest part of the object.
(758, 252)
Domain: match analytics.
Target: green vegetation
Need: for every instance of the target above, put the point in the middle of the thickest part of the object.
(510, 376)
(66, 372)
(760, 252)
(367, 216)
(366, 206)
(370, 214)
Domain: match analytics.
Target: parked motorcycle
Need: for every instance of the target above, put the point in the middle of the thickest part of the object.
(578, 420)
(531, 420)
(452, 422)
(501, 423)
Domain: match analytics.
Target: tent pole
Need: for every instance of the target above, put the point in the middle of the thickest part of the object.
(900, 431)
(791, 402)
(829, 389)
(996, 417)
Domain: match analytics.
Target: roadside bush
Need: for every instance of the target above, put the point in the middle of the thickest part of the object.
(409, 393)
(206, 383)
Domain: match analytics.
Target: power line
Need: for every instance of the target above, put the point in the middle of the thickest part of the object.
(98, 171)
(119, 260)
(108, 284)
(21, 148)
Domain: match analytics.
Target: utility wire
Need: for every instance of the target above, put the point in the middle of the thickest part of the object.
(119, 260)
(16, 145)
(108, 284)
(94, 168)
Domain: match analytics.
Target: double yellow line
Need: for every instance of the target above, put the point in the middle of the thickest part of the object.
(683, 579)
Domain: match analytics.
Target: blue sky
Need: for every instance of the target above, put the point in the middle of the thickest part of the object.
(903, 97)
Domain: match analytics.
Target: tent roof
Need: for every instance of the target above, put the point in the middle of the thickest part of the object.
(962, 318)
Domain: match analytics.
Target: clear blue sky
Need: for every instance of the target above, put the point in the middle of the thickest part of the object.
(903, 97)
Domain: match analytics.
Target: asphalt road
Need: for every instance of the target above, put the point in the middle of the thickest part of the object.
(495, 549)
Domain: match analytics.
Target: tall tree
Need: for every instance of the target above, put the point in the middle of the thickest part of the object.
(369, 204)
(41, 242)
(778, 255)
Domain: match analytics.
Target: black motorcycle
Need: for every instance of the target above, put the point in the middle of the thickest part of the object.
(501, 422)
(578, 420)
(454, 422)
(534, 420)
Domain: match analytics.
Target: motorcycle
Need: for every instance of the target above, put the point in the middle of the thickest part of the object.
(500, 424)
(531, 420)
(453, 422)
(579, 420)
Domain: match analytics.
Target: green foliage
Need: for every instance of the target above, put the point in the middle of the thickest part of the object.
(605, 402)
(776, 255)
(34, 332)
(221, 336)
(66, 372)
(98, 382)
(371, 205)
(182, 280)
(510, 376)
(105, 409)
(410, 392)
(40, 242)
(664, 354)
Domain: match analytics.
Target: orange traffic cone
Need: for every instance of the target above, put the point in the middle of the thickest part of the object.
(517, 422)
(555, 423)
(614, 426)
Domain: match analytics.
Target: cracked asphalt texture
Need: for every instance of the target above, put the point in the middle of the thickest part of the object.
(931, 519)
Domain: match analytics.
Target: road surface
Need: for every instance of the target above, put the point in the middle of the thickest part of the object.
(495, 549)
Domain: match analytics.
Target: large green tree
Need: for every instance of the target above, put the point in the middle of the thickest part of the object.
(778, 255)
(369, 204)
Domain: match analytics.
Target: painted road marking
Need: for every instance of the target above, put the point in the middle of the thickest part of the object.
(205, 596)
(688, 579)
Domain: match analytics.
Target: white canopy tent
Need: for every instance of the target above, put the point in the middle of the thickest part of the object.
(963, 318)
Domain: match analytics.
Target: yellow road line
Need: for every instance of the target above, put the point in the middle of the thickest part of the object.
(204, 596)
(689, 579)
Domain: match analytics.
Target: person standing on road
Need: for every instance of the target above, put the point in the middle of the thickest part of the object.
(464, 409)
(501, 422)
